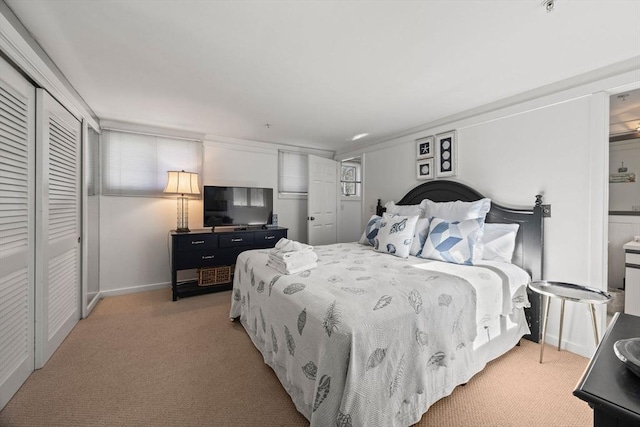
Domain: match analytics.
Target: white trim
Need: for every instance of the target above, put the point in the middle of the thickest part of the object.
(143, 129)
(551, 340)
(598, 210)
(264, 147)
(84, 224)
(252, 144)
(135, 289)
(620, 75)
(31, 62)
(93, 303)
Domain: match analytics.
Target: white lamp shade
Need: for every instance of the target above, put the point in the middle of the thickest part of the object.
(182, 182)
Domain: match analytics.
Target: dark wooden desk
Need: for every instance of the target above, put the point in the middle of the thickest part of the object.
(607, 385)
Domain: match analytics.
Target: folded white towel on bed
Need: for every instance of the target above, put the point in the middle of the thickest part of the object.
(281, 270)
(276, 253)
(285, 245)
(298, 261)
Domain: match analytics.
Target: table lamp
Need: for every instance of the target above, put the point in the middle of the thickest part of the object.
(183, 183)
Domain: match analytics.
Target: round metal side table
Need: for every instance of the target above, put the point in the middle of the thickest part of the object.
(570, 292)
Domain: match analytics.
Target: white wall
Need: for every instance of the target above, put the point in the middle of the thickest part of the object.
(555, 145)
(134, 250)
(242, 165)
(349, 219)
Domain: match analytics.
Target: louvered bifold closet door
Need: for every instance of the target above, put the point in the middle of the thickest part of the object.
(58, 192)
(17, 268)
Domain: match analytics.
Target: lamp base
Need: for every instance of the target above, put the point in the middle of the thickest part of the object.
(183, 215)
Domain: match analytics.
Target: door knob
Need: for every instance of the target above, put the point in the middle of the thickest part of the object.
(310, 218)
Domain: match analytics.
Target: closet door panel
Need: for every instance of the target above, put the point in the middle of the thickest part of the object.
(58, 188)
(17, 265)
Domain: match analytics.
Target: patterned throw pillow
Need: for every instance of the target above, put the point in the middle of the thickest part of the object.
(395, 235)
(370, 231)
(453, 241)
(420, 236)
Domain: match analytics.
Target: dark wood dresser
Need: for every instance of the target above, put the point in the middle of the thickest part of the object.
(607, 385)
(206, 248)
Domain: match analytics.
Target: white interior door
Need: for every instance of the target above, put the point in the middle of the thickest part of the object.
(58, 196)
(322, 201)
(17, 243)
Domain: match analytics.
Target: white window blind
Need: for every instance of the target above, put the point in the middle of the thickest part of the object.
(292, 172)
(136, 164)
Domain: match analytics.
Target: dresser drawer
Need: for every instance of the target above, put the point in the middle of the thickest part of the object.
(196, 242)
(268, 239)
(198, 259)
(232, 240)
(632, 258)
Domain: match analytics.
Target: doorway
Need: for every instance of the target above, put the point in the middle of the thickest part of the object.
(624, 188)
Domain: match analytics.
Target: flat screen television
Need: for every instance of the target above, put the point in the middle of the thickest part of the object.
(237, 206)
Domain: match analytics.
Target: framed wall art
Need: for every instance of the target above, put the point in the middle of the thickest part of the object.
(424, 147)
(424, 169)
(446, 154)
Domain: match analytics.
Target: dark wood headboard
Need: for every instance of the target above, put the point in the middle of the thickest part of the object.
(529, 240)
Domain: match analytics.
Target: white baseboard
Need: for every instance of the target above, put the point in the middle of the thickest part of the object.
(581, 350)
(135, 289)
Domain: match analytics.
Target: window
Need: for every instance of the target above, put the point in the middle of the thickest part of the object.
(293, 173)
(137, 164)
(93, 163)
(350, 177)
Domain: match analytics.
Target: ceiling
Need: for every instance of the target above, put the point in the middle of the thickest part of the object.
(319, 72)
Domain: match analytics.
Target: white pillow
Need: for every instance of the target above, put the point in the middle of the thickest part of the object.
(457, 211)
(404, 210)
(499, 241)
(420, 236)
(395, 235)
(370, 230)
(453, 241)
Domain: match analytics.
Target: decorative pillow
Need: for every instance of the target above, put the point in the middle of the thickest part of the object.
(457, 211)
(395, 235)
(405, 210)
(370, 230)
(453, 241)
(420, 236)
(499, 241)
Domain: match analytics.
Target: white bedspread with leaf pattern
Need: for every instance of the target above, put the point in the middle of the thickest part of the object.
(366, 339)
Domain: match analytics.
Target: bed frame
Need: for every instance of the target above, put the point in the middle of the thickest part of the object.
(529, 240)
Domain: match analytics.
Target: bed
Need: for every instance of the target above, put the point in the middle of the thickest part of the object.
(368, 338)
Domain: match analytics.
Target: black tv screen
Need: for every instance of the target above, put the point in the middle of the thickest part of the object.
(237, 206)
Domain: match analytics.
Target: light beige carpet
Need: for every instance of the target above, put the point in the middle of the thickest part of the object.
(142, 359)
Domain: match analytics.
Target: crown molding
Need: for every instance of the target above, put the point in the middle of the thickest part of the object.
(20, 48)
(614, 78)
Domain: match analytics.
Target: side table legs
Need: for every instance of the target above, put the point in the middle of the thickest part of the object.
(595, 327)
(544, 325)
(592, 310)
(561, 322)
